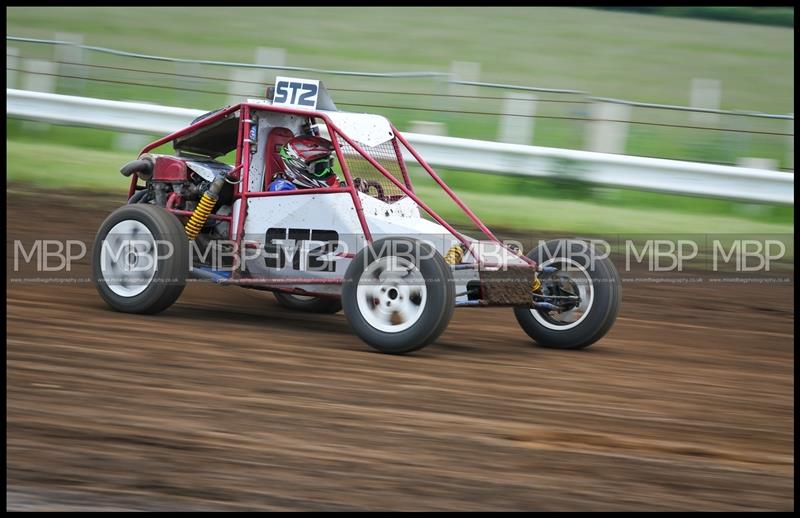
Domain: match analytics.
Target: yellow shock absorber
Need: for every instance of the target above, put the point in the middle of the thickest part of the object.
(537, 284)
(200, 215)
(455, 255)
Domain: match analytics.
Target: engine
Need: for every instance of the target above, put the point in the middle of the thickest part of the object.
(188, 179)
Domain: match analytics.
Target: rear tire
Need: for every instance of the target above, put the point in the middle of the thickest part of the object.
(308, 304)
(398, 295)
(136, 272)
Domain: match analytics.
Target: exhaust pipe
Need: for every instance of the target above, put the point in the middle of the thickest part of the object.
(143, 167)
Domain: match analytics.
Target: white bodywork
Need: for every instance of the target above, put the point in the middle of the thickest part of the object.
(292, 223)
(365, 128)
(267, 122)
(325, 213)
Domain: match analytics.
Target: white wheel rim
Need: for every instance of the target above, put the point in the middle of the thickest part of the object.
(128, 258)
(391, 294)
(561, 321)
(300, 298)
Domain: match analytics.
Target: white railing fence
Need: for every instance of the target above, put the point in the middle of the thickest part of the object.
(649, 174)
(605, 125)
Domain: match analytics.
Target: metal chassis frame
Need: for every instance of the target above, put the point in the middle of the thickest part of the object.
(242, 162)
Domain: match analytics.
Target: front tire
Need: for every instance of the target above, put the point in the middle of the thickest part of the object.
(140, 259)
(578, 271)
(398, 295)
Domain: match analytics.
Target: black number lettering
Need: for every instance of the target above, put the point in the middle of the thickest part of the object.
(309, 90)
(316, 263)
(300, 235)
(280, 92)
(295, 89)
(275, 256)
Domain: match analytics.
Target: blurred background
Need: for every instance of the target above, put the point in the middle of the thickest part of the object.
(228, 401)
(705, 84)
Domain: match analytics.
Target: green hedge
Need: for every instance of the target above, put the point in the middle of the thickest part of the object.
(781, 16)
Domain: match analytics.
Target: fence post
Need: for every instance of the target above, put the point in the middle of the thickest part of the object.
(608, 130)
(460, 71)
(12, 63)
(441, 87)
(739, 142)
(130, 141)
(255, 79)
(790, 140)
(705, 93)
(39, 76)
(69, 58)
(758, 163)
(270, 56)
(517, 126)
(236, 86)
(189, 77)
(428, 128)
(464, 71)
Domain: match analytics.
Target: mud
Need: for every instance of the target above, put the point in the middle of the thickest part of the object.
(228, 401)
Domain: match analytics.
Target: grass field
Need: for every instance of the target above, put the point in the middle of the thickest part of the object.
(69, 167)
(622, 55)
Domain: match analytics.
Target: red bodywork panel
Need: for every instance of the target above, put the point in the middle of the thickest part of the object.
(170, 169)
(274, 163)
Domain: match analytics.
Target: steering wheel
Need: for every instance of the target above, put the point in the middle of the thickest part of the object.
(365, 185)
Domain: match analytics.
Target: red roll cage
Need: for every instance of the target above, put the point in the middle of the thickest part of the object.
(242, 168)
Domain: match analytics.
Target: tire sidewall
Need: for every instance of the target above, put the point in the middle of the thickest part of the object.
(170, 276)
(605, 305)
(440, 298)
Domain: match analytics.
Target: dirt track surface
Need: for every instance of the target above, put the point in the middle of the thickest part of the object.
(227, 401)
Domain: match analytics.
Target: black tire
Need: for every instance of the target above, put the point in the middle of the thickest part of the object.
(432, 317)
(308, 304)
(601, 314)
(169, 278)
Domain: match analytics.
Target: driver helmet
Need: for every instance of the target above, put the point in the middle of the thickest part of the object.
(308, 162)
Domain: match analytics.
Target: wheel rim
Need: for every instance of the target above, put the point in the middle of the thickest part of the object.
(299, 298)
(128, 258)
(580, 278)
(391, 294)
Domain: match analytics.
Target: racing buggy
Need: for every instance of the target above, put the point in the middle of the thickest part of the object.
(223, 206)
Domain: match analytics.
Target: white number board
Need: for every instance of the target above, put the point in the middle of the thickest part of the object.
(296, 93)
